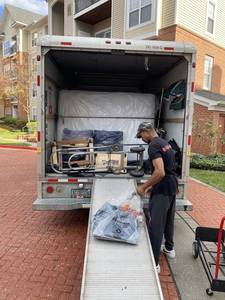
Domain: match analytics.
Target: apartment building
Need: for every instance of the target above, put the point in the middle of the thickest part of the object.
(198, 22)
(19, 30)
(35, 30)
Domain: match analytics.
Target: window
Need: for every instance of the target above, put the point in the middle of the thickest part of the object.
(13, 68)
(9, 47)
(208, 72)
(34, 114)
(7, 69)
(140, 11)
(211, 16)
(34, 39)
(104, 34)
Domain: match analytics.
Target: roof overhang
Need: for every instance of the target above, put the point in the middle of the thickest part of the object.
(212, 105)
(18, 24)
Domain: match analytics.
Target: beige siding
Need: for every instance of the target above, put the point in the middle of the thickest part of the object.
(168, 13)
(102, 25)
(68, 20)
(192, 14)
(81, 26)
(118, 18)
(220, 23)
(24, 46)
(141, 32)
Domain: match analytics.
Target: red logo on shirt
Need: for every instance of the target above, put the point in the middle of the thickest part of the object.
(166, 148)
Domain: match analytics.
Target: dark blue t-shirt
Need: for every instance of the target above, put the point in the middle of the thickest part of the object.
(161, 148)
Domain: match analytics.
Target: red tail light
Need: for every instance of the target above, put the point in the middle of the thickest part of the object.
(189, 140)
(50, 189)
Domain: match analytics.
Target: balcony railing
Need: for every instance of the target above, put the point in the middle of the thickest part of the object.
(83, 4)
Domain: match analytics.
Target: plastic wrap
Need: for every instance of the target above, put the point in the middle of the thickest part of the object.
(118, 223)
(106, 104)
(110, 111)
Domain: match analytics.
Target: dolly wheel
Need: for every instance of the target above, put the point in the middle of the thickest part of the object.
(195, 249)
(209, 292)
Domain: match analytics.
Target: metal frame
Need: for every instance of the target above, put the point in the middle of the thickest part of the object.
(216, 236)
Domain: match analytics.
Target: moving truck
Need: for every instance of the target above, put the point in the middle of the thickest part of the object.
(89, 87)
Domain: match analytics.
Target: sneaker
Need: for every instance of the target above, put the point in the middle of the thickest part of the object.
(158, 268)
(169, 253)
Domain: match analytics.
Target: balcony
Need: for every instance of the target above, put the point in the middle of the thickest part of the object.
(92, 11)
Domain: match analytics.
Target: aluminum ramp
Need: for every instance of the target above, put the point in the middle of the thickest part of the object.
(118, 271)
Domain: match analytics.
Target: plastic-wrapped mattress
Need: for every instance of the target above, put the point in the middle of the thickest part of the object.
(110, 111)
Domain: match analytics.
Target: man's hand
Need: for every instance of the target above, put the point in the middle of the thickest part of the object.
(141, 189)
(148, 191)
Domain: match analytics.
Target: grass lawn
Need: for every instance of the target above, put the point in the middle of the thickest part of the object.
(9, 137)
(213, 178)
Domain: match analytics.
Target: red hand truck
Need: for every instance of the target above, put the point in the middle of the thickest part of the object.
(217, 237)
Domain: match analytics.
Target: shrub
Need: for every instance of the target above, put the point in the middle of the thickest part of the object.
(215, 162)
(31, 126)
(13, 122)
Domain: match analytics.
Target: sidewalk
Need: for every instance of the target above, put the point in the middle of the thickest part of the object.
(208, 209)
(208, 204)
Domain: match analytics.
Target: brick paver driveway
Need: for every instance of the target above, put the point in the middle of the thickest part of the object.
(41, 253)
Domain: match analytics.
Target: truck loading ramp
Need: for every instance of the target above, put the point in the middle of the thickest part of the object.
(118, 271)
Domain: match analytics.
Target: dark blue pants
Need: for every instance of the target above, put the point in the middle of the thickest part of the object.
(162, 212)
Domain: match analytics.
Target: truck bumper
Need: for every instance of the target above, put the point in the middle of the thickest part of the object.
(60, 204)
(71, 204)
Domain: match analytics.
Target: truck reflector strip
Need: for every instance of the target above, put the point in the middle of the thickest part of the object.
(193, 87)
(39, 136)
(38, 80)
(64, 180)
(52, 180)
(189, 140)
(72, 180)
(168, 48)
(66, 43)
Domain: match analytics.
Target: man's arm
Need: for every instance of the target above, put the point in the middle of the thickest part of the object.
(156, 177)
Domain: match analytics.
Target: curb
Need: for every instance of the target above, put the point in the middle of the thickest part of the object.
(18, 147)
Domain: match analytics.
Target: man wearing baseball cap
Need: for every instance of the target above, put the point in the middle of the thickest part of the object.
(163, 186)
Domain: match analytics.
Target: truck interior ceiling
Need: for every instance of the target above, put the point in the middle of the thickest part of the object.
(80, 86)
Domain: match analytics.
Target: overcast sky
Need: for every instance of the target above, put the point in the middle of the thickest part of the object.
(37, 6)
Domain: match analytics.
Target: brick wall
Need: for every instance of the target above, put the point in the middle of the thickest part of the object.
(205, 125)
(167, 34)
(204, 47)
(205, 122)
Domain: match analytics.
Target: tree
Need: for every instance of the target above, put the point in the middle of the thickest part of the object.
(15, 84)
